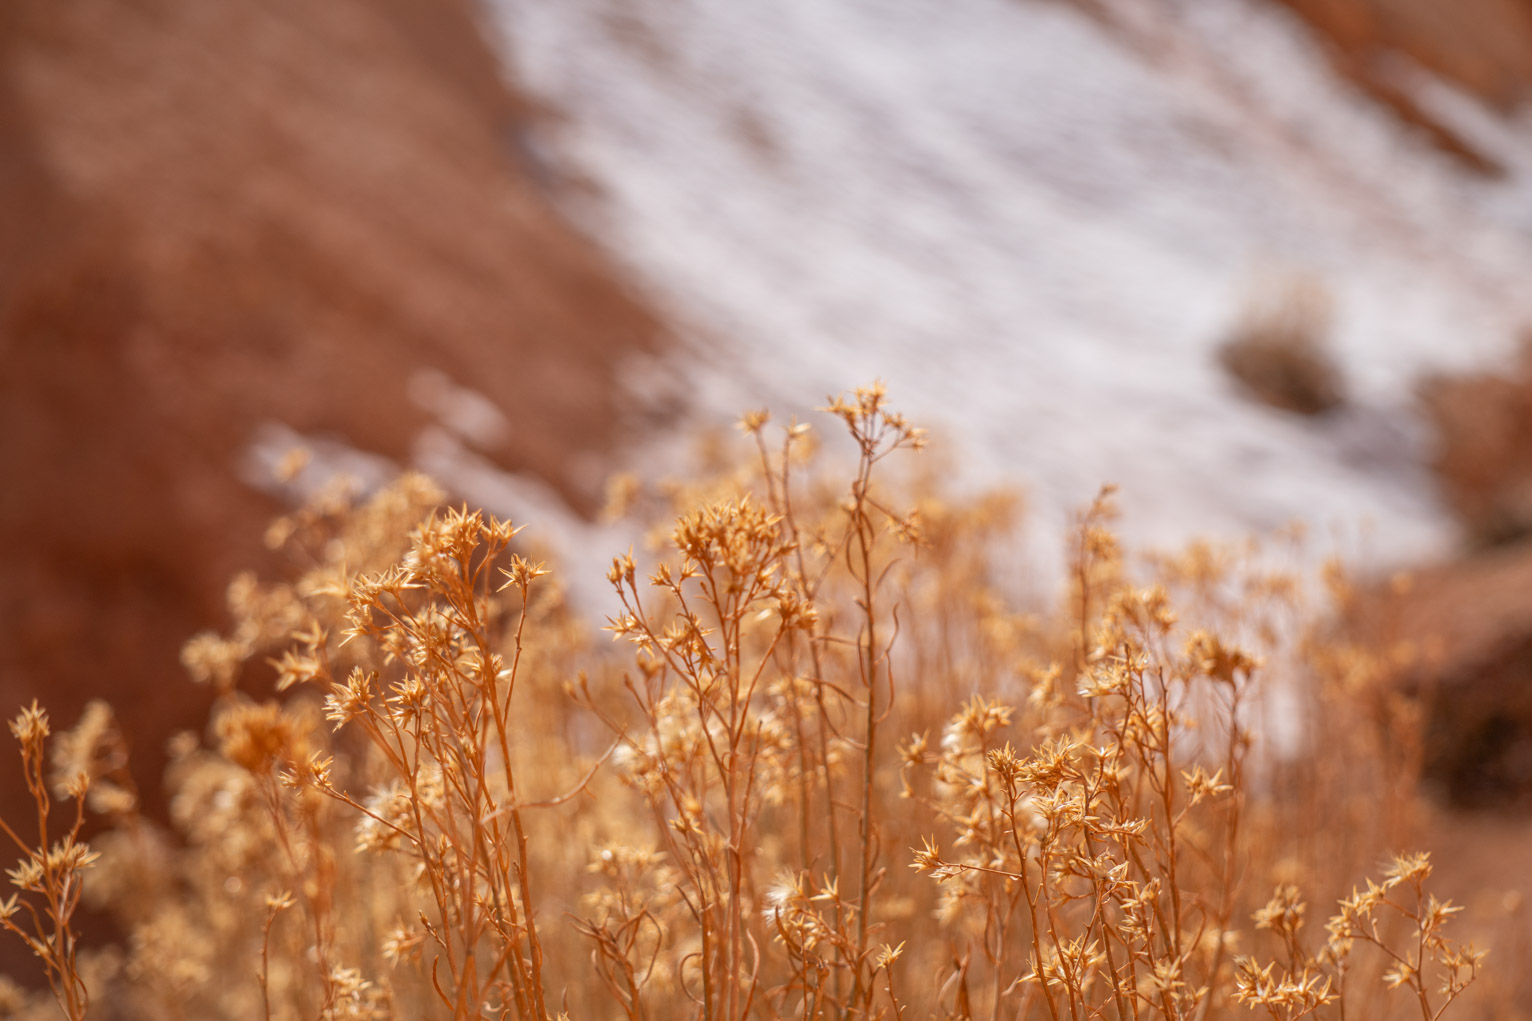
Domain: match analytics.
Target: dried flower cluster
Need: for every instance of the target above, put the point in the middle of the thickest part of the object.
(450, 802)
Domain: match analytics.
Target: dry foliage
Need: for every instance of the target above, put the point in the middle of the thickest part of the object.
(1279, 349)
(833, 771)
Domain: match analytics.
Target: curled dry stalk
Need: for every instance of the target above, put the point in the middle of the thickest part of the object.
(275, 905)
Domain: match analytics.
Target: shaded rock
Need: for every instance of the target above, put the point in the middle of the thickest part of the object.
(1470, 622)
(1482, 46)
(1474, 615)
(1483, 455)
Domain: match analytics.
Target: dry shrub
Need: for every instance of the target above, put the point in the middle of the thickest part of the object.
(832, 770)
(1279, 347)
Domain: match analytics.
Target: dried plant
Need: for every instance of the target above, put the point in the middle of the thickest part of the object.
(1279, 348)
(48, 875)
(425, 792)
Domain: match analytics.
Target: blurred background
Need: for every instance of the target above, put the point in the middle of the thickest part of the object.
(1252, 260)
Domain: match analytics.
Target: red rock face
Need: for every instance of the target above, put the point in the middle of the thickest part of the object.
(1483, 456)
(220, 214)
(1469, 622)
(1482, 46)
(1485, 46)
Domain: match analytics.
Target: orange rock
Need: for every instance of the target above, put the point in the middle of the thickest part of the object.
(222, 214)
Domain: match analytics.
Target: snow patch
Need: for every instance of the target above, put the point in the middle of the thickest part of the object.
(1038, 229)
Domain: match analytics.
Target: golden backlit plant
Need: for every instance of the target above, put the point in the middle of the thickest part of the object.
(832, 767)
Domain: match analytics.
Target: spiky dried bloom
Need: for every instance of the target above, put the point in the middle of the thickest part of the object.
(257, 737)
(30, 727)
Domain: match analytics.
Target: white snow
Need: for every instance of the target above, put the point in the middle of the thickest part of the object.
(1037, 229)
